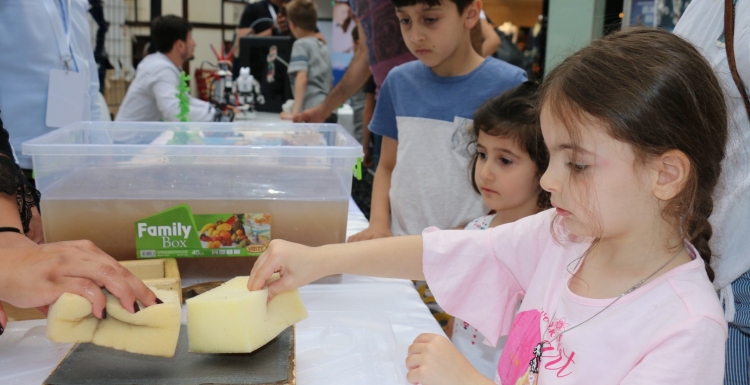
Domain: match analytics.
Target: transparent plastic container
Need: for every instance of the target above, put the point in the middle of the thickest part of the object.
(98, 178)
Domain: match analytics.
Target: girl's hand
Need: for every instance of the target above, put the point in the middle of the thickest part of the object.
(297, 265)
(433, 360)
(371, 233)
(36, 276)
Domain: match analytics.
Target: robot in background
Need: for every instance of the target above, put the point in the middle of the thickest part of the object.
(248, 90)
(228, 95)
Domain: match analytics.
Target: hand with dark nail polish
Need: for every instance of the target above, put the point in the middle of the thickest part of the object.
(104, 313)
(35, 276)
(159, 302)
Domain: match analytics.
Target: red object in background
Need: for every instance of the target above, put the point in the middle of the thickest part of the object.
(204, 80)
(224, 56)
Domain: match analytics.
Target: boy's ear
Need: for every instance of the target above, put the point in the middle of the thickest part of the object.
(472, 12)
(179, 46)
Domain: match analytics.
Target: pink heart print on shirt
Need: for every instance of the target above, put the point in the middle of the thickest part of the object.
(518, 352)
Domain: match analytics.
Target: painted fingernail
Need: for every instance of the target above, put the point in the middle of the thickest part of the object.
(135, 307)
(2, 330)
(159, 302)
(104, 313)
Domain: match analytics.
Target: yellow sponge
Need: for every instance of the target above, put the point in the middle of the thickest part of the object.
(232, 319)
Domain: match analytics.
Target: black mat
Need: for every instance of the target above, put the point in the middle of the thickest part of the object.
(89, 364)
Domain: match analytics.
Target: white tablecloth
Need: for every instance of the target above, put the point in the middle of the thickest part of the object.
(27, 357)
(258, 116)
(345, 118)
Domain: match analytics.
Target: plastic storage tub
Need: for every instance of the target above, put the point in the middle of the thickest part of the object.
(245, 183)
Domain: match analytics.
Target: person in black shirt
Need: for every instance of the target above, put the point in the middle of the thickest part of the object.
(256, 19)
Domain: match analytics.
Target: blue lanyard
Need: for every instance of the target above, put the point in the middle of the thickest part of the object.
(61, 28)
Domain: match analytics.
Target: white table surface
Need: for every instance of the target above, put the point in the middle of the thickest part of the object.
(345, 118)
(258, 116)
(27, 357)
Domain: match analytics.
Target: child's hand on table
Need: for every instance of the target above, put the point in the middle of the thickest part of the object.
(433, 360)
(371, 232)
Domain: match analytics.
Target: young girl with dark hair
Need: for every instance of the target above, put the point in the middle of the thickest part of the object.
(509, 158)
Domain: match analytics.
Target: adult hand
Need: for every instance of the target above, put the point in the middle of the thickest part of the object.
(433, 360)
(372, 232)
(36, 231)
(297, 265)
(36, 276)
(285, 116)
(316, 114)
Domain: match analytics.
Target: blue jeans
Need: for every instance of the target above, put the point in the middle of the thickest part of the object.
(738, 343)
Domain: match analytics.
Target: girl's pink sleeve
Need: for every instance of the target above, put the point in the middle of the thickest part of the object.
(479, 276)
(692, 353)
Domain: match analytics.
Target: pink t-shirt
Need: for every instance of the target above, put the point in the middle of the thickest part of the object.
(669, 331)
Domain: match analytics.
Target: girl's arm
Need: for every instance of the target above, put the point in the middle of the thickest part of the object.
(395, 257)
(432, 359)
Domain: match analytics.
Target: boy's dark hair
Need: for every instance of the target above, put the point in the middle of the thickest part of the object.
(514, 115)
(303, 13)
(166, 30)
(460, 4)
(654, 91)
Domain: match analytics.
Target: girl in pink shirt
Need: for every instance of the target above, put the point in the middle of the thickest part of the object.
(615, 282)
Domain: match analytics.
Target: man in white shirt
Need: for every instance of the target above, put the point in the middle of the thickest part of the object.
(152, 95)
(36, 38)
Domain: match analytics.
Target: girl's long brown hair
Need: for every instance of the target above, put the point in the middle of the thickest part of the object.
(652, 90)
